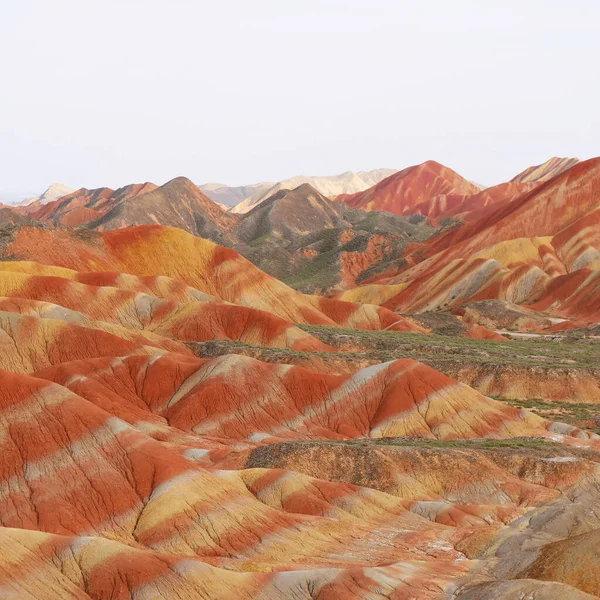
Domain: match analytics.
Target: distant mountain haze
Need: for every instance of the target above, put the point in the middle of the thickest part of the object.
(53, 192)
(240, 199)
(330, 186)
(230, 196)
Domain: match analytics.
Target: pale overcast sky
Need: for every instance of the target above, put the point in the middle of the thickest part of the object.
(110, 92)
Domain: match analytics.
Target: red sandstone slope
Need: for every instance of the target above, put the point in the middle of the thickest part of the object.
(112, 466)
(197, 262)
(545, 210)
(110, 486)
(84, 205)
(416, 186)
(238, 398)
(79, 470)
(545, 239)
(28, 343)
(470, 207)
(96, 509)
(145, 318)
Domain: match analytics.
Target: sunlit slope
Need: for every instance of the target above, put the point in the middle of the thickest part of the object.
(110, 486)
(147, 251)
(402, 192)
(77, 470)
(142, 317)
(238, 398)
(28, 343)
(551, 168)
(546, 239)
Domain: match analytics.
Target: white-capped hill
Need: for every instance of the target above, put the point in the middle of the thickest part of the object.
(333, 185)
(54, 192)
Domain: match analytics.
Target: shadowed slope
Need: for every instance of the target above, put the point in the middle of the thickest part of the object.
(291, 212)
(83, 205)
(11, 217)
(317, 245)
(178, 203)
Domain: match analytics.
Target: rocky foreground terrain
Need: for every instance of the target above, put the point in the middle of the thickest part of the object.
(414, 417)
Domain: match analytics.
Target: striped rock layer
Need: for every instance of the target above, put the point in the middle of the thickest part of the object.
(194, 262)
(163, 475)
(545, 171)
(542, 250)
(131, 469)
(404, 191)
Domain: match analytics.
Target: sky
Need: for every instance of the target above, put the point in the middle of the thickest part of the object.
(106, 93)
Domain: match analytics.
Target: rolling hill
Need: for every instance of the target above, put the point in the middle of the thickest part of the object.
(178, 203)
(197, 262)
(539, 250)
(402, 192)
(177, 422)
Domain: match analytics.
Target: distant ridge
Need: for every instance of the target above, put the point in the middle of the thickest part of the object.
(402, 192)
(178, 203)
(545, 171)
(300, 211)
(83, 205)
(55, 191)
(230, 196)
(330, 186)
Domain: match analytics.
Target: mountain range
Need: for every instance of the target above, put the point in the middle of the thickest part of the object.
(332, 392)
(330, 186)
(53, 192)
